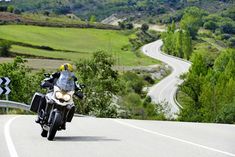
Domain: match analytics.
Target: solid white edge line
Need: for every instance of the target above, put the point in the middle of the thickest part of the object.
(174, 138)
(10, 145)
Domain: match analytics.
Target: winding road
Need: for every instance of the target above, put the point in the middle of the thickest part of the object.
(164, 91)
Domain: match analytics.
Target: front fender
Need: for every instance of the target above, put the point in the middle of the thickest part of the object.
(52, 115)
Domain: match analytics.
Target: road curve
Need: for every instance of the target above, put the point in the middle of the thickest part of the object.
(96, 137)
(164, 91)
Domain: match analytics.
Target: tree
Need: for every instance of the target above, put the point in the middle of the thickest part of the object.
(102, 85)
(168, 40)
(46, 13)
(3, 8)
(121, 25)
(17, 11)
(179, 43)
(192, 20)
(173, 26)
(211, 89)
(10, 9)
(125, 25)
(227, 27)
(187, 44)
(227, 113)
(210, 25)
(129, 25)
(144, 27)
(92, 18)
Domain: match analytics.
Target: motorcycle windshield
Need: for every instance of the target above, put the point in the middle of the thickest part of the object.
(66, 81)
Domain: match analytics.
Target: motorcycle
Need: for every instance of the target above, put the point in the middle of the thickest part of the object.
(56, 107)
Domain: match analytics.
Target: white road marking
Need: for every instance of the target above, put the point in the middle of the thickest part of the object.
(163, 89)
(10, 145)
(173, 138)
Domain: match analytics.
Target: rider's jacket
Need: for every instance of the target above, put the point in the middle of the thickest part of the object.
(53, 79)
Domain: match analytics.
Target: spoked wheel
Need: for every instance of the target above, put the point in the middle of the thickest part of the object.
(54, 126)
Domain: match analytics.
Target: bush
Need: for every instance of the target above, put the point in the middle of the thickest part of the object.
(227, 114)
(3, 8)
(10, 9)
(17, 11)
(102, 85)
(46, 13)
(232, 42)
(24, 83)
(225, 36)
(125, 25)
(5, 48)
(144, 27)
(210, 25)
(227, 27)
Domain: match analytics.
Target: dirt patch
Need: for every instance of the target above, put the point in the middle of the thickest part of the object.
(37, 64)
(9, 17)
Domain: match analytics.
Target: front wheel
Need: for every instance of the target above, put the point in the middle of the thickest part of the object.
(56, 121)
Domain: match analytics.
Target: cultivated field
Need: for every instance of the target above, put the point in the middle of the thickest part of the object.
(72, 43)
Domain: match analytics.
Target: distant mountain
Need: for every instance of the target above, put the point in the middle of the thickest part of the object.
(104, 8)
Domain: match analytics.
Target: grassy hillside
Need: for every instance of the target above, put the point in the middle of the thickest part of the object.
(71, 43)
(82, 40)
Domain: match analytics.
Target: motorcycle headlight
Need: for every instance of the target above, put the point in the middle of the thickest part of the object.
(58, 95)
(66, 97)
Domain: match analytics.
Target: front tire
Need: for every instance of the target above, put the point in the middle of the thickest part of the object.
(56, 121)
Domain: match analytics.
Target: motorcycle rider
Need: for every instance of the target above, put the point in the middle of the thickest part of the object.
(51, 81)
(55, 76)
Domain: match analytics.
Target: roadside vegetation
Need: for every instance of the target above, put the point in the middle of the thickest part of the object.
(208, 91)
(108, 93)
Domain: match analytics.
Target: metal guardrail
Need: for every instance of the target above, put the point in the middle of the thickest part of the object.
(175, 99)
(12, 104)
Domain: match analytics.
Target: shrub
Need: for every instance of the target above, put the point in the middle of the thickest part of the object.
(5, 48)
(232, 42)
(24, 83)
(102, 85)
(210, 25)
(225, 36)
(10, 9)
(227, 114)
(144, 27)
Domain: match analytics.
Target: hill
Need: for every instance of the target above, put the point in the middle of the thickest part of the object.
(135, 9)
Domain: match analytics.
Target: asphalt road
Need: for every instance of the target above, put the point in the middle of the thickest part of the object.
(94, 137)
(164, 91)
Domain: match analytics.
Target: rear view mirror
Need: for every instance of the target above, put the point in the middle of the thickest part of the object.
(47, 85)
(47, 75)
(82, 86)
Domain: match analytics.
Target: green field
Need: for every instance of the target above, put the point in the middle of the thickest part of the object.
(83, 41)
